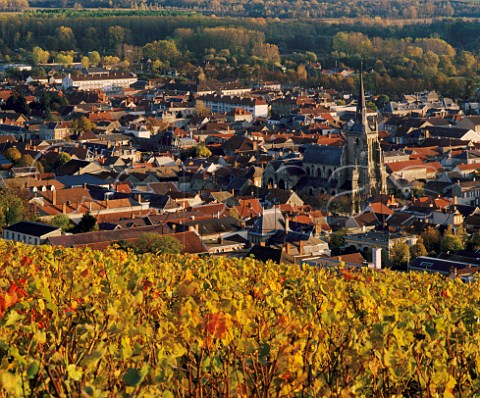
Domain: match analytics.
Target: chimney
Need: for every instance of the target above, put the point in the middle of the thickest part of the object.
(54, 198)
(377, 258)
(64, 207)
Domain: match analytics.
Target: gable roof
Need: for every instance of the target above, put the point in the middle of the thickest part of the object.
(31, 228)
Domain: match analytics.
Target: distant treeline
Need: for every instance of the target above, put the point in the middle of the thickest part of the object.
(91, 32)
(405, 9)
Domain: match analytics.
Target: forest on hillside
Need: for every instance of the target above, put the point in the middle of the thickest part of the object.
(442, 55)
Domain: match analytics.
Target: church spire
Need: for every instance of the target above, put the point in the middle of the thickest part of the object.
(361, 107)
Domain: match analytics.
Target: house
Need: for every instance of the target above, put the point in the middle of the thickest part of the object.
(266, 226)
(458, 267)
(470, 122)
(466, 192)
(78, 167)
(111, 82)
(373, 239)
(224, 104)
(409, 170)
(54, 130)
(18, 131)
(31, 233)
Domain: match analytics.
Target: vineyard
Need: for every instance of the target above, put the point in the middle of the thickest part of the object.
(82, 323)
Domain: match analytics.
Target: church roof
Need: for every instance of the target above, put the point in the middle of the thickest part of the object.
(319, 154)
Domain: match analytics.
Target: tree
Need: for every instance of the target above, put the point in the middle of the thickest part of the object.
(62, 158)
(87, 223)
(64, 59)
(163, 50)
(66, 38)
(40, 56)
(94, 58)
(201, 109)
(81, 124)
(431, 240)
(13, 154)
(111, 61)
(62, 221)
(151, 242)
(450, 243)
(337, 240)
(17, 103)
(12, 208)
(197, 151)
(399, 255)
(115, 36)
(269, 53)
(85, 62)
(26, 161)
(418, 249)
(382, 100)
(474, 242)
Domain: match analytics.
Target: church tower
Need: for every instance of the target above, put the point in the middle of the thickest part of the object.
(364, 155)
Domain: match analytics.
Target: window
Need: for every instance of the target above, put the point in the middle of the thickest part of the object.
(426, 264)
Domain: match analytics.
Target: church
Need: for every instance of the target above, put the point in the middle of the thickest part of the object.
(355, 169)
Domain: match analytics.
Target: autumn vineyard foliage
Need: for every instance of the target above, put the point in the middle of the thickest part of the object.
(83, 323)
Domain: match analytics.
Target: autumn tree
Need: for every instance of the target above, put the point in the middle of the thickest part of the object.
(40, 56)
(268, 53)
(115, 36)
(111, 62)
(473, 242)
(26, 161)
(61, 159)
(65, 38)
(13, 154)
(94, 58)
(197, 151)
(151, 242)
(418, 249)
(81, 124)
(431, 239)
(12, 208)
(62, 221)
(64, 59)
(450, 243)
(399, 255)
(85, 62)
(163, 50)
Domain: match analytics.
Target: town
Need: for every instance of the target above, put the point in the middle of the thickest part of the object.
(277, 172)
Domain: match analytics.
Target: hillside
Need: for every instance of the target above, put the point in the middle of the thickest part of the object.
(86, 323)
